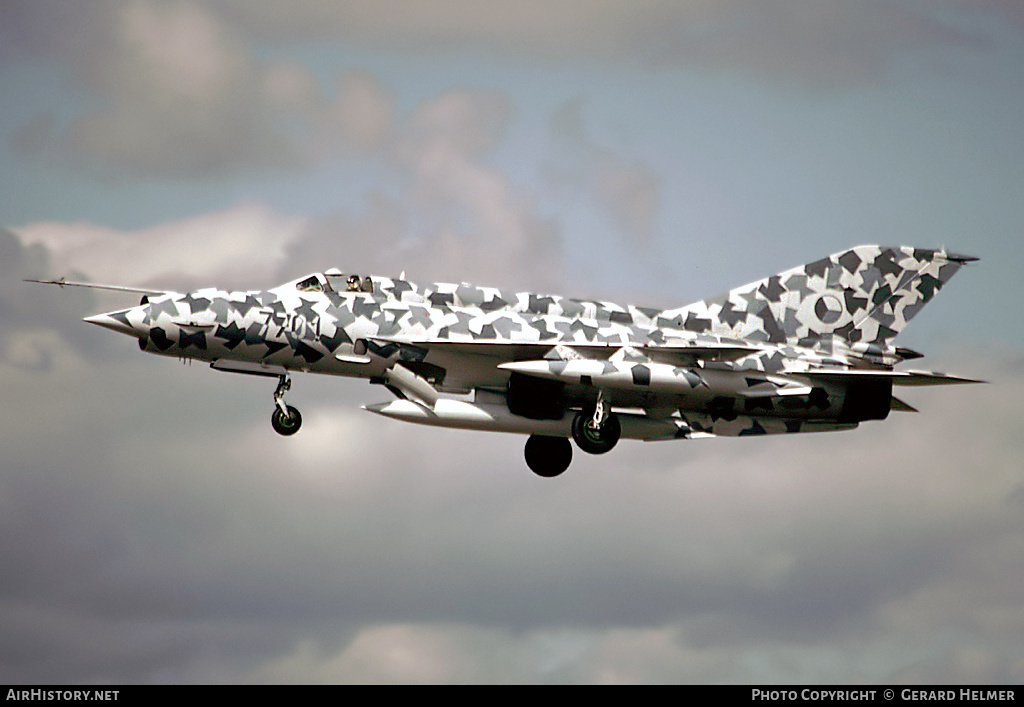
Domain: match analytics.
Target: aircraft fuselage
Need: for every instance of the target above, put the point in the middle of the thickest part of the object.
(807, 350)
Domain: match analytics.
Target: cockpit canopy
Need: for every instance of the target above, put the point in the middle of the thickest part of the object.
(314, 283)
(321, 282)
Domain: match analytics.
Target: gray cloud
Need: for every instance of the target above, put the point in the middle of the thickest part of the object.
(37, 320)
(453, 217)
(811, 42)
(242, 247)
(180, 89)
(170, 89)
(626, 190)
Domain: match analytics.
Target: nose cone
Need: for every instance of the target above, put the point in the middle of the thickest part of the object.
(127, 321)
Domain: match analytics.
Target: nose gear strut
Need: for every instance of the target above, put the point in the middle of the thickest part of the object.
(286, 419)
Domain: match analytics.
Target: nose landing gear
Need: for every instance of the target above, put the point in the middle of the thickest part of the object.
(286, 419)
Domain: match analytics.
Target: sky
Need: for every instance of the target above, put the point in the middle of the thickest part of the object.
(155, 530)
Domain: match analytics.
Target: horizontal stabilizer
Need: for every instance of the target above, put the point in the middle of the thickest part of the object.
(931, 378)
(898, 377)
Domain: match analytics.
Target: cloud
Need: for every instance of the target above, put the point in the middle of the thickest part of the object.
(461, 653)
(531, 26)
(187, 89)
(809, 42)
(240, 247)
(627, 191)
(176, 94)
(813, 44)
(362, 115)
(451, 216)
(171, 90)
(37, 321)
(471, 211)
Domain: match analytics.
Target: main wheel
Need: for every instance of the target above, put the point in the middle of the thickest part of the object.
(596, 441)
(548, 456)
(286, 424)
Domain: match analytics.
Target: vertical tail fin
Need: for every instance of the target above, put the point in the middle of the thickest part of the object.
(864, 295)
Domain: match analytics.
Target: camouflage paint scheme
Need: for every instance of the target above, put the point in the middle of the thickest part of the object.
(809, 349)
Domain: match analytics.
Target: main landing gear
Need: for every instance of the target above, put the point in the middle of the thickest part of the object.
(548, 456)
(596, 430)
(286, 419)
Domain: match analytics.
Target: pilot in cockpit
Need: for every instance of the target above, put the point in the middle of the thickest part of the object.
(357, 285)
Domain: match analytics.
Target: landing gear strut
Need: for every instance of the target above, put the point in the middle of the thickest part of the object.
(548, 456)
(286, 419)
(596, 430)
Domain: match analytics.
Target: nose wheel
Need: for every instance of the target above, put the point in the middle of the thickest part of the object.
(288, 422)
(286, 419)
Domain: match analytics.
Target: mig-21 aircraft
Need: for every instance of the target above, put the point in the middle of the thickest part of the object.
(808, 350)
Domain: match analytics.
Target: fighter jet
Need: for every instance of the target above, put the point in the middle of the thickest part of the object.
(808, 350)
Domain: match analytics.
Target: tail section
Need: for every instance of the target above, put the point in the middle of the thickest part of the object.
(865, 295)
